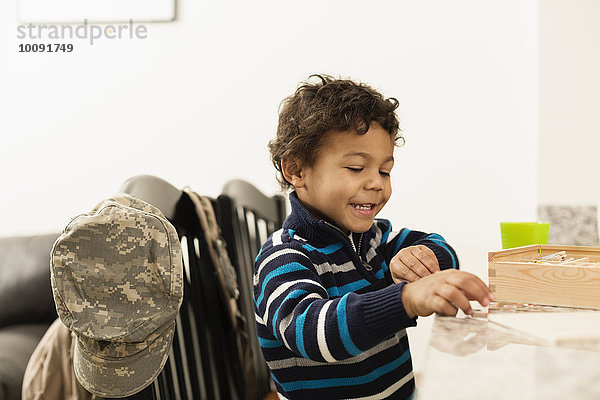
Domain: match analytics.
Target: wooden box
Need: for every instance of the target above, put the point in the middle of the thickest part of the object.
(514, 276)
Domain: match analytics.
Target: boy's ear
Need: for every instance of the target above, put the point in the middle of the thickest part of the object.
(292, 172)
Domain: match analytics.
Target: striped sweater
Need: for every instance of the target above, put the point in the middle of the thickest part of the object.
(330, 321)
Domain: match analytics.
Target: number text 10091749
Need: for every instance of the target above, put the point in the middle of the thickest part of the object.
(45, 48)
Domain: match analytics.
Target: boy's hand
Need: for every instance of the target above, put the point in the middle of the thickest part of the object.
(412, 263)
(444, 293)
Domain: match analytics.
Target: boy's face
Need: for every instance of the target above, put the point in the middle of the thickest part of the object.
(349, 182)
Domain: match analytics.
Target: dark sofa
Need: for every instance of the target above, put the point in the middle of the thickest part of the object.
(26, 305)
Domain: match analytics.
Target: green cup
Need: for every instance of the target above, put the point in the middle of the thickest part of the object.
(516, 234)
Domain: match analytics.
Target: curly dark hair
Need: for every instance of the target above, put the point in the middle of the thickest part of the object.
(328, 105)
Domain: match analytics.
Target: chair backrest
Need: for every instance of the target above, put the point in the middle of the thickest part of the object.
(247, 219)
(203, 361)
(201, 364)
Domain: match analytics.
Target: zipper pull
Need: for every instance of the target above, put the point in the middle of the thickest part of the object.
(367, 266)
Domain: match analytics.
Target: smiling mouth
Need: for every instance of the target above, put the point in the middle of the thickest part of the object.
(364, 207)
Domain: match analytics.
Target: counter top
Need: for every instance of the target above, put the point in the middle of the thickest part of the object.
(475, 358)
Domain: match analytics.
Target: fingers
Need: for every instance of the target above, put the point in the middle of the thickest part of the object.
(427, 258)
(401, 272)
(441, 305)
(455, 296)
(444, 293)
(415, 260)
(472, 287)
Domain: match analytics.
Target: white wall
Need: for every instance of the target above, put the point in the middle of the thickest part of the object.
(196, 103)
(569, 102)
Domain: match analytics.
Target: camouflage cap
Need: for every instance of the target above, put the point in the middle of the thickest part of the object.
(117, 281)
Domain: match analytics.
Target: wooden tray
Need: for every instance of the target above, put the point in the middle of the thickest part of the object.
(512, 277)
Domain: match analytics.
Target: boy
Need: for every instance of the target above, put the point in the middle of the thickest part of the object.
(335, 288)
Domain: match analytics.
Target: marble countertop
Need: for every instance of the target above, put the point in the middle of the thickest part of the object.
(473, 358)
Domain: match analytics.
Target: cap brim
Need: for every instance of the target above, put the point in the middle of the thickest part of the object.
(124, 376)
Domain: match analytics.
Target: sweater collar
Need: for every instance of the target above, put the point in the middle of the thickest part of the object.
(308, 226)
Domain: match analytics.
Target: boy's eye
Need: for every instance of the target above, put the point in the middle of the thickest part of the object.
(354, 169)
(384, 173)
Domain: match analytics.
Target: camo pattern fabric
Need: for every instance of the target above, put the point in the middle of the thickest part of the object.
(117, 281)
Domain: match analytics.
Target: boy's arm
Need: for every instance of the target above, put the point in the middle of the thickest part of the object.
(413, 254)
(293, 309)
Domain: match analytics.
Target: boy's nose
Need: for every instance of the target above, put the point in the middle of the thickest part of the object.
(375, 182)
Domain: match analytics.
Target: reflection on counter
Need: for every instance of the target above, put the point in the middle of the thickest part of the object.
(473, 358)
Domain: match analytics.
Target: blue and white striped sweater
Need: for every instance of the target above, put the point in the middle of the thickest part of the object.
(330, 320)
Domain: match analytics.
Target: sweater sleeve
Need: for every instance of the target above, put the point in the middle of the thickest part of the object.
(293, 308)
(395, 241)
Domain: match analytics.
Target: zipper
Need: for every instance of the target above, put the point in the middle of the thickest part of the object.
(364, 263)
(356, 251)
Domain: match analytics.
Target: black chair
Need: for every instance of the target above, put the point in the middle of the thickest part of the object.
(247, 219)
(202, 363)
(199, 365)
